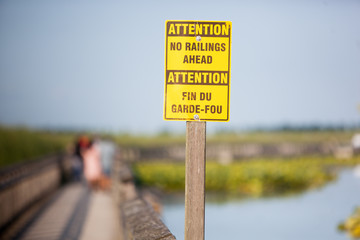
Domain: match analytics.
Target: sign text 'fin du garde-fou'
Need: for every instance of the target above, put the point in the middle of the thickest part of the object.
(197, 70)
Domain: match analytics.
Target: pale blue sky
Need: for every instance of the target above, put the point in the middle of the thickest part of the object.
(100, 64)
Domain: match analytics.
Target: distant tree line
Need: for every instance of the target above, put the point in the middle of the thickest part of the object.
(297, 128)
(317, 127)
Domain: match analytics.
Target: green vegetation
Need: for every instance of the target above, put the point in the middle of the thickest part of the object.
(148, 141)
(352, 224)
(21, 144)
(251, 178)
(284, 136)
(260, 137)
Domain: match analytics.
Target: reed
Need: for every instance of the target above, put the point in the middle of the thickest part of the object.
(21, 144)
(352, 224)
(260, 177)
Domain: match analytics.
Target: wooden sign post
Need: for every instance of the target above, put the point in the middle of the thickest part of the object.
(197, 89)
(195, 163)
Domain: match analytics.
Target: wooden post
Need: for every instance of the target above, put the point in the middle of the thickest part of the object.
(195, 180)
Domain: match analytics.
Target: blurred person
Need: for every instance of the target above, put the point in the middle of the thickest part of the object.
(77, 160)
(107, 152)
(355, 142)
(92, 168)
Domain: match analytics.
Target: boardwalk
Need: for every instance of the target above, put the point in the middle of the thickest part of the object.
(103, 220)
(39, 201)
(73, 212)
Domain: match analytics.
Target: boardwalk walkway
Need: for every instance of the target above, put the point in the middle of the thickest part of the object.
(73, 212)
(103, 219)
(33, 207)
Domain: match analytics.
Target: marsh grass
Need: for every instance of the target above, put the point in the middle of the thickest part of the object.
(270, 137)
(352, 224)
(273, 137)
(21, 144)
(261, 177)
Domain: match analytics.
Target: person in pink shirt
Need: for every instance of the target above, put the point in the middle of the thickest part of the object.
(92, 167)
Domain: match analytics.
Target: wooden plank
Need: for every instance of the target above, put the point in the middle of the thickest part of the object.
(195, 180)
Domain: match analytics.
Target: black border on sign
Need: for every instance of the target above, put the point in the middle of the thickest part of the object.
(166, 61)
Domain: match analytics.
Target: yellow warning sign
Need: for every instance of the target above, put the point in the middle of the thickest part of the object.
(197, 70)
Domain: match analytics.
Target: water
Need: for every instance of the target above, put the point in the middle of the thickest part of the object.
(313, 215)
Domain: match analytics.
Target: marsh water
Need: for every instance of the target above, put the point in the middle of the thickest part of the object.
(312, 215)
